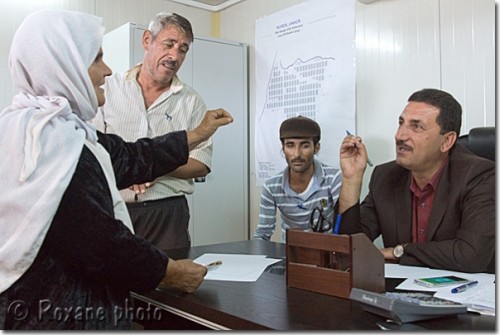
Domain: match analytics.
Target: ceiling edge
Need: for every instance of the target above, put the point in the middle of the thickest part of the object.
(198, 4)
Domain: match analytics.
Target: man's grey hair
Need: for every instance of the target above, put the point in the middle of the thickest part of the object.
(164, 19)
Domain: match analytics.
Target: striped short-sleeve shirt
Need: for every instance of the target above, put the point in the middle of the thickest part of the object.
(125, 114)
(295, 209)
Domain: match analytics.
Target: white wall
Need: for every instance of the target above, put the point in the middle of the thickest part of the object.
(402, 46)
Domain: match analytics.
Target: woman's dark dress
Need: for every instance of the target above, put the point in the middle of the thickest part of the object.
(89, 262)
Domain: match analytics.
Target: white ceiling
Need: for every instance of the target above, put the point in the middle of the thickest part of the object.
(218, 5)
(211, 5)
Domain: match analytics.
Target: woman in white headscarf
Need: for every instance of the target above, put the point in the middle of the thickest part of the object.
(68, 255)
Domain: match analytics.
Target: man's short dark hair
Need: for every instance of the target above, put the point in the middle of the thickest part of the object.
(450, 111)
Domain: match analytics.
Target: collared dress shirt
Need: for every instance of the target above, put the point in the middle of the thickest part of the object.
(422, 204)
(124, 113)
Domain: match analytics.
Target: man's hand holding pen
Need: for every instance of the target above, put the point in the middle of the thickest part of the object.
(353, 156)
(353, 160)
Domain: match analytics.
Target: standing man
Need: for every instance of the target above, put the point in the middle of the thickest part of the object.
(435, 204)
(150, 100)
(304, 185)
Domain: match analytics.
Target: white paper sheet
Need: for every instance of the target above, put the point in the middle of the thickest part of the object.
(236, 267)
(403, 271)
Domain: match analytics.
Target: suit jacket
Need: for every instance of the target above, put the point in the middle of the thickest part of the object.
(461, 230)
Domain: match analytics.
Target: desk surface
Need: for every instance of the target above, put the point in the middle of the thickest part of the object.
(269, 304)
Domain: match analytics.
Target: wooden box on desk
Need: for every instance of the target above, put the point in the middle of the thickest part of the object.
(333, 264)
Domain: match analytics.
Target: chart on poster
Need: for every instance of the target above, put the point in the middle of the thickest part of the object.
(305, 65)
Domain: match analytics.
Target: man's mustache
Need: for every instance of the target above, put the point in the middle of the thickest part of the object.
(402, 144)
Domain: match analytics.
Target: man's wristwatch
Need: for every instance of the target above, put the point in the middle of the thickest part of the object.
(398, 251)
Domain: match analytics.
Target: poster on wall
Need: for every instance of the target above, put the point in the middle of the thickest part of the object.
(304, 65)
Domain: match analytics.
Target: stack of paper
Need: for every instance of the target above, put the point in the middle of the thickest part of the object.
(236, 267)
(480, 298)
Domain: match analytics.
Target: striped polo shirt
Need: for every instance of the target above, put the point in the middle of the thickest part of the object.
(124, 113)
(295, 209)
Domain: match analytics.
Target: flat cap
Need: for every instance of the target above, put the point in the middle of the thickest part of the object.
(299, 127)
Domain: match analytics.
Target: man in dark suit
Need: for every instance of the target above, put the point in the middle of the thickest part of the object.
(435, 204)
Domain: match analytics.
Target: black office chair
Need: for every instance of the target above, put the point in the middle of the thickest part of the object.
(481, 141)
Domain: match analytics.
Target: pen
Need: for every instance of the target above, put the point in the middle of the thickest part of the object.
(213, 265)
(367, 159)
(337, 224)
(464, 287)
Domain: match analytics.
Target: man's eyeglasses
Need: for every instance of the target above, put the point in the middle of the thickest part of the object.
(318, 221)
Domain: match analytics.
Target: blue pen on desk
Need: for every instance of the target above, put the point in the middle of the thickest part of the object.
(367, 159)
(337, 224)
(464, 287)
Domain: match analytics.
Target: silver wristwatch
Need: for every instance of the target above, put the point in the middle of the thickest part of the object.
(398, 251)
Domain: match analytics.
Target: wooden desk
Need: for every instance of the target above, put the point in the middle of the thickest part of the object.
(269, 304)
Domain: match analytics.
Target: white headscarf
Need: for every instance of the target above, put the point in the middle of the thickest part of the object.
(43, 132)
